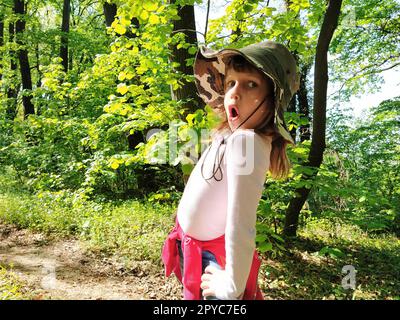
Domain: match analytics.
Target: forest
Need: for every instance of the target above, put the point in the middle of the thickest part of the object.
(101, 126)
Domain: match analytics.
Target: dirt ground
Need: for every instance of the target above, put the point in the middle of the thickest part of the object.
(64, 269)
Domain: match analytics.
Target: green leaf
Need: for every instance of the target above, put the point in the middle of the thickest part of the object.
(125, 22)
(264, 247)
(122, 88)
(150, 6)
(114, 164)
(122, 76)
(332, 252)
(144, 15)
(240, 14)
(247, 8)
(261, 238)
(362, 199)
(192, 50)
(120, 29)
(154, 19)
(189, 118)
(187, 168)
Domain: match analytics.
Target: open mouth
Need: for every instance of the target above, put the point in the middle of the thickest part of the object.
(233, 112)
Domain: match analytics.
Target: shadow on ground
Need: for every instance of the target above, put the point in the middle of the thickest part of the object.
(302, 273)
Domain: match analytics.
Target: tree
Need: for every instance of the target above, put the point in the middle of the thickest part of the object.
(303, 101)
(1, 40)
(366, 44)
(315, 157)
(12, 91)
(186, 26)
(19, 10)
(110, 12)
(64, 34)
(300, 99)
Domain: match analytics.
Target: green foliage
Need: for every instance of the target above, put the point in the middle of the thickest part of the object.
(268, 241)
(131, 228)
(55, 160)
(363, 160)
(311, 266)
(87, 117)
(11, 287)
(90, 137)
(366, 158)
(254, 21)
(365, 44)
(331, 252)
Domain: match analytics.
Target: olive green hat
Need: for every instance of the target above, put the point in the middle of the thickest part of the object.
(271, 58)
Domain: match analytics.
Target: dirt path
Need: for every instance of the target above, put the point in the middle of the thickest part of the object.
(63, 269)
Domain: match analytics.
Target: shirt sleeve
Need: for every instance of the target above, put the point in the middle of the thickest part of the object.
(247, 157)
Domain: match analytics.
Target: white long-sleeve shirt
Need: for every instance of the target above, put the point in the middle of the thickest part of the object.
(210, 208)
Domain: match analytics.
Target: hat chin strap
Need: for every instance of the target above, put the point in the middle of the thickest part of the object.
(254, 111)
(217, 170)
(278, 121)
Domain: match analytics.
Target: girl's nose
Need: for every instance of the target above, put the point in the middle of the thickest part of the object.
(235, 92)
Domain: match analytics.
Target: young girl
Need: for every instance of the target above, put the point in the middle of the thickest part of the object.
(212, 246)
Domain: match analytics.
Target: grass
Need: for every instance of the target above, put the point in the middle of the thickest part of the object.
(310, 267)
(11, 287)
(131, 229)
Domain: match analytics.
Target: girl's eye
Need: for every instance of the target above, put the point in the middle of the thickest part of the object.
(229, 84)
(252, 84)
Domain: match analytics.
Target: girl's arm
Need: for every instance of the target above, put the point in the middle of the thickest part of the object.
(247, 157)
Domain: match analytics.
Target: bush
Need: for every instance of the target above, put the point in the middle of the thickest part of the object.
(133, 229)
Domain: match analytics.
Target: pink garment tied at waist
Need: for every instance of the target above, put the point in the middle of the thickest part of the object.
(192, 266)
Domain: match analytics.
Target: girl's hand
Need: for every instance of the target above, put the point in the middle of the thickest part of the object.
(209, 279)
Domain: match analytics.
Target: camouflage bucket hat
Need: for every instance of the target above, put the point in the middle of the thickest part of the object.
(271, 58)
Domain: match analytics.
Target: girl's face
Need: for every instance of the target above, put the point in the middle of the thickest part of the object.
(244, 91)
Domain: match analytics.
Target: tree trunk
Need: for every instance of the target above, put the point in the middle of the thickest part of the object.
(64, 34)
(304, 107)
(1, 40)
(207, 20)
(187, 92)
(11, 91)
(37, 55)
(292, 108)
(396, 224)
(319, 114)
(70, 59)
(110, 11)
(19, 9)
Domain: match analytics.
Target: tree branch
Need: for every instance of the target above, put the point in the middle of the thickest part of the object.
(207, 15)
(190, 30)
(371, 66)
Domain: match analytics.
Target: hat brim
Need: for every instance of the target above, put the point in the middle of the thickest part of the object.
(209, 72)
